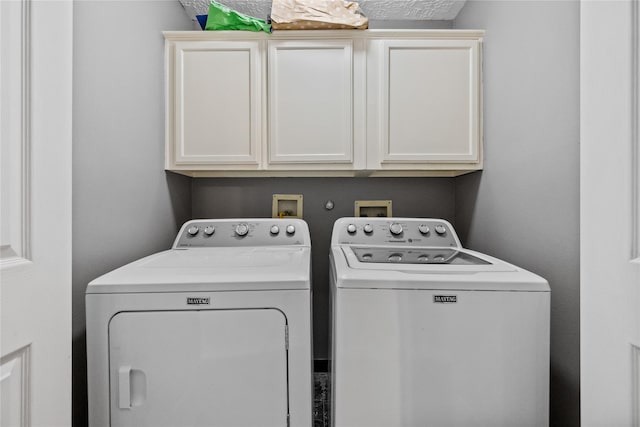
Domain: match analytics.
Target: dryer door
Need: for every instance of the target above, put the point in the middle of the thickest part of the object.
(198, 368)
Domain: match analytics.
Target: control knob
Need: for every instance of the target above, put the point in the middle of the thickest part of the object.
(209, 230)
(368, 228)
(291, 229)
(274, 230)
(423, 228)
(351, 228)
(242, 230)
(193, 230)
(395, 229)
(440, 229)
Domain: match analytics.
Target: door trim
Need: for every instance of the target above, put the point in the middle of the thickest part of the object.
(635, 130)
(18, 252)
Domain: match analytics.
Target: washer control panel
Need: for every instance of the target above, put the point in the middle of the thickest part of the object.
(205, 233)
(394, 232)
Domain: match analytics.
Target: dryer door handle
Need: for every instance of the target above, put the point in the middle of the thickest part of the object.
(124, 387)
(132, 387)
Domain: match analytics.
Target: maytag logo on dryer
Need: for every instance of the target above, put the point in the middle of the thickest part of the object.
(198, 301)
(445, 299)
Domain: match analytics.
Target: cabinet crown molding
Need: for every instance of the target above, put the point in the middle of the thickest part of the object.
(324, 35)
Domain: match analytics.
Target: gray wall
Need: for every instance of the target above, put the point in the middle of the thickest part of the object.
(524, 206)
(251, 197)
(124, 205)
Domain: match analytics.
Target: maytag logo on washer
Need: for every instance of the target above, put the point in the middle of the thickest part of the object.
(445, 299)
(198, 301)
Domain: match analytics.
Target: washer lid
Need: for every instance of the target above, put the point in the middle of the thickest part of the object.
(421, 260)
(423, 256)
(211, 269)
(462, 269)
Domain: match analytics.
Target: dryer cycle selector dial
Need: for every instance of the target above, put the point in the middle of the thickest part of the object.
(440, 229)
(351, 228)
(423, 228)
(242, 230)
(395, 228)
(209, 230)
(291, 229)
(274, 230)
(368, 228)
(193, 230)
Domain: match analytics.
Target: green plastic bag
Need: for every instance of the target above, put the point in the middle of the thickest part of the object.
(223, 18)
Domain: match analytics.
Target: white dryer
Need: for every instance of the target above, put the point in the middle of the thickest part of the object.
(213, 332)
(427, 333)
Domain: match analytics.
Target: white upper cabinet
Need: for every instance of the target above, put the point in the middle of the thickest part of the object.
(312, 110)
(322, 103)
(215, 95)
(424, 104)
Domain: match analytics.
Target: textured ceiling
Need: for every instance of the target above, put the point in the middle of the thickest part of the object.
(373, 9)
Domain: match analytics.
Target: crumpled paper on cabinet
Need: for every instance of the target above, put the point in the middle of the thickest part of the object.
(316, 15)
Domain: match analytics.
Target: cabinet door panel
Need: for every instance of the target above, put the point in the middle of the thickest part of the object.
(217, 99)
(311, 102)
(429, 101)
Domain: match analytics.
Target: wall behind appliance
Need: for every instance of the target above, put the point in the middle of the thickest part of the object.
(524, 206)
(251, 197)
(124, 204)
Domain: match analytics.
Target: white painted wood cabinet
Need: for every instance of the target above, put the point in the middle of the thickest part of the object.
(214, 105)
(314, 103)
(424, 104)
(322, 103)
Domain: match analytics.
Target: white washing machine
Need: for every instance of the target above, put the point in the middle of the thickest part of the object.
(215, 331)
(427, 333)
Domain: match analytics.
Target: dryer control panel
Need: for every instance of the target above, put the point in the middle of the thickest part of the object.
(212, 233)
(422, 232)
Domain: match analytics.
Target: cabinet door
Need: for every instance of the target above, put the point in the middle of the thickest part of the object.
(425, 99)
(215, 96)
(311, 104)
(198, 368)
